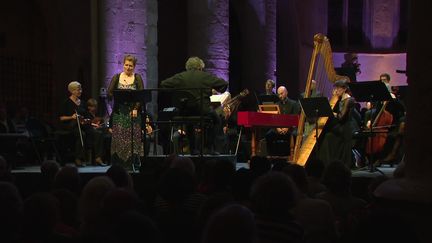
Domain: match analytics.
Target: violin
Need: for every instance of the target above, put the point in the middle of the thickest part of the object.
(95, 122)
(148, 127)
(232, 105)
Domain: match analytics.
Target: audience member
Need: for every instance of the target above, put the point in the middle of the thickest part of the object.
(11, 210)
(347, 208)
(231, 224)
(273, 196)
(315, 215)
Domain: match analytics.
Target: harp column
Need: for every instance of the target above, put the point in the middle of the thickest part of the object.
(208, 34)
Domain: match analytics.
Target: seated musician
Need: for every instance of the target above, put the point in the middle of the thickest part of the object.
(287, 106)
(194, 77)
(151, 143)
(337, 142)
(269, 87)
(394, 127)
(94, 129)
(229, 121)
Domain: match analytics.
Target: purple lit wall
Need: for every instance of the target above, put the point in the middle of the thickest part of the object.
(270, 40)
(381, 22)
(124, 28)
(208, 34)
(257, 41)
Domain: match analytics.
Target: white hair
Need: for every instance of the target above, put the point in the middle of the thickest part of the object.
(73, 86)
(194, 63)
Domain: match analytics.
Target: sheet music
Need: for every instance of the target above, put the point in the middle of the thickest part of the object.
(220, 98)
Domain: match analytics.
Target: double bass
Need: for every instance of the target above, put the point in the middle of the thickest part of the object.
(379, 129)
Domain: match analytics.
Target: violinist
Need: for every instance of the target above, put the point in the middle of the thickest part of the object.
(93, 126)
(70, 110)
(229, 122)
(150, 136)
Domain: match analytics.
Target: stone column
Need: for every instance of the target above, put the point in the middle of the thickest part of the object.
(129, 27)
(152, 52)
(208, 34)
(415, 181)
(381, 22)
(257, 27)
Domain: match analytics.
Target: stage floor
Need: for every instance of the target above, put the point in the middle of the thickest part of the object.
(364, 172)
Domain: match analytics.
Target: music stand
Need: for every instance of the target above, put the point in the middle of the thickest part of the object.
(268, 99)
(370, 91)
(314, 108)
(123, 96)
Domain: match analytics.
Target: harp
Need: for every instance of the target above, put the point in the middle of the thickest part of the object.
(321, 70)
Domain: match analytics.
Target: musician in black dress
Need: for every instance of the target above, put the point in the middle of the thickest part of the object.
(70, 112)
(337, 142)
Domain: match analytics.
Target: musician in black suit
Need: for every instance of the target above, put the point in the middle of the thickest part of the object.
(194, 77)
(287, 106)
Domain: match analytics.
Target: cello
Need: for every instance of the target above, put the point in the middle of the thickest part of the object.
(379, 128)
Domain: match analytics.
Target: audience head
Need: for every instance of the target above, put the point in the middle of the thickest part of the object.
(194, 63)
(132, 226)
(298, 174)
(90, 202)
(242, 183)
(49, 169)
(68, 206)
(41, 214)
(337, 178)
(221, 176)
(118, 201)
(315, 168)
(68, 178)
(274, 195)
(184, 163)
(231, 224)
(259, 165)
(279, 164)
(176, 185)
(119, 175)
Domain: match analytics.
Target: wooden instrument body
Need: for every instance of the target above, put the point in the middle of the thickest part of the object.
(380, 127)
(303, 147)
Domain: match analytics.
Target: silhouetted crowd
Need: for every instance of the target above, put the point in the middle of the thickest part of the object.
(178, 200)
